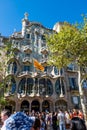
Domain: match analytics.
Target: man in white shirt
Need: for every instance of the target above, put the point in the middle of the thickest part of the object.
(61, 118)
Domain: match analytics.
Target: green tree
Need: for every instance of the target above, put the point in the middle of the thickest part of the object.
(70, 46)
(5, 50)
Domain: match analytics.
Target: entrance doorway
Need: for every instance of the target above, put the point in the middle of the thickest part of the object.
(35, 105)
(45, 106)
(60, 104)
(25, 106)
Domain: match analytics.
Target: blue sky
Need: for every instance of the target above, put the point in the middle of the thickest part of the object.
(47, 12)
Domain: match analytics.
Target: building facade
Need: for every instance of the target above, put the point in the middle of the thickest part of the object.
(28, 88)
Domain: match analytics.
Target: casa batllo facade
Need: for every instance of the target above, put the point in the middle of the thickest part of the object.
(30, 89)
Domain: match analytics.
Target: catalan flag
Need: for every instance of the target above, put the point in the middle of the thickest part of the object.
(38, 65)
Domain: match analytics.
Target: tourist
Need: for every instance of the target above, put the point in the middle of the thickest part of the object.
(36, 125)
(77, 124)
(67, 119)
(5, 114)
(61, 118)
(80, 114)
(54, 121)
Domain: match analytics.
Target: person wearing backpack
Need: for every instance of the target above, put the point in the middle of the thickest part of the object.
(77, 124)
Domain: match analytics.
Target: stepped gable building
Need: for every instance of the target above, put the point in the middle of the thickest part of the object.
(27, 87)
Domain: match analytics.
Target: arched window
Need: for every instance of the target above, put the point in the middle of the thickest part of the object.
(12, 67)
(10, 85)
(13, 85)
(8, 68)
(45, 87)
(42, 85)
(49, 87)
(72, 83)
(30, 85)
(21, 87)
(59, 85)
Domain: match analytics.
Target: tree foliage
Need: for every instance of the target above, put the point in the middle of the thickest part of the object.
(4, 57)
(69, 45)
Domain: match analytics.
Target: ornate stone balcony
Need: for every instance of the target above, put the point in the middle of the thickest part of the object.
(44, 50)
(14, 46)
(27, 60)
(44, 61)
(27, 48)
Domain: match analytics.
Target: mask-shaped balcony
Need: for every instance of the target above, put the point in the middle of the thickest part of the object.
(27, 48)
(44, 50)
(16, 47)
(44, 61)
(27, 60)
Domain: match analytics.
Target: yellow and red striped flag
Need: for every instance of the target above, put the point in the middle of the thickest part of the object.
(38, 65)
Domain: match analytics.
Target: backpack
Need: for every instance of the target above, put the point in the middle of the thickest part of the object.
(77, 124)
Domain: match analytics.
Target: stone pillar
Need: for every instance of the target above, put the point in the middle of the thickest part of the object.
(40, 106)
(25, 88)
(38, 87)
(53, 106)
(30, 106)
(34, 86)
(17, 107)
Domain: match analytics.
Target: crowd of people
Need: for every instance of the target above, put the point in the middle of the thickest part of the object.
(61, 120)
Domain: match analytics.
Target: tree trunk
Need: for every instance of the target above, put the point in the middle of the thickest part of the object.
(82, 97)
